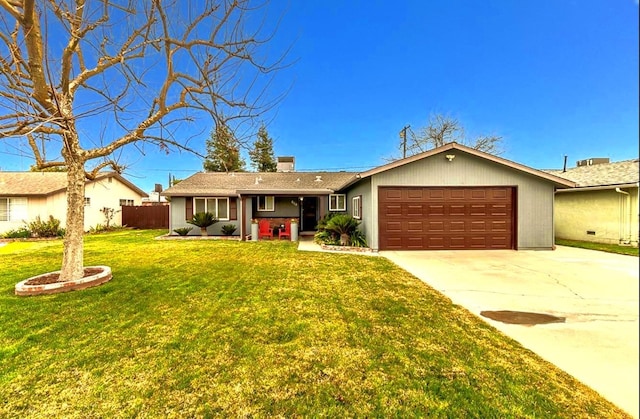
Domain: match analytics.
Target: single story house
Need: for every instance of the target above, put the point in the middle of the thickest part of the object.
(451, 197)
(603, 208)
(27, 195)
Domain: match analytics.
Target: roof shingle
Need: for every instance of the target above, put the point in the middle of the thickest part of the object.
(603, 174)
(229, 184)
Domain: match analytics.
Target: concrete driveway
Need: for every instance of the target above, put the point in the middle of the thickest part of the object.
(596, 292)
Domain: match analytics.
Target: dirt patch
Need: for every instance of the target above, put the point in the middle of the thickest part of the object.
(54, 277)
(522, 317)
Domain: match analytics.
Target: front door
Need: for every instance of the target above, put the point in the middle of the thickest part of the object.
(309, 214)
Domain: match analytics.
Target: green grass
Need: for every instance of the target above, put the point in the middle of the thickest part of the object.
(610, 248)
(241, 329)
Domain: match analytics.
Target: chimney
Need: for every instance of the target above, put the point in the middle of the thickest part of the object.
(286, 164)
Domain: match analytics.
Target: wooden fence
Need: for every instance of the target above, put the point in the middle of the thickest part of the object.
(146, 217)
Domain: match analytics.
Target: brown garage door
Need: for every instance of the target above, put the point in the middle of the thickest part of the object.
(430, 218)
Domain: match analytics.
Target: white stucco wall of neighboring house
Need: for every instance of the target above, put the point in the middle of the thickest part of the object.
(599, 216)
(106, 193)
(103, 193)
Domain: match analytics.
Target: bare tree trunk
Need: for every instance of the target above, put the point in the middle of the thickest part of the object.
(73, 253)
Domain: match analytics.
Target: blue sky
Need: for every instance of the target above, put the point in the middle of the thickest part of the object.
(553, 77)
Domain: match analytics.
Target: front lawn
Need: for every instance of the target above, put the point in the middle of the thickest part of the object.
(609, 248)
(231, 329)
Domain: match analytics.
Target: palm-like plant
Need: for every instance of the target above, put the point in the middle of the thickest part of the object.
(342, 225)
(203, 220)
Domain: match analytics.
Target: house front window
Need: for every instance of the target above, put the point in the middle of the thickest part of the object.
(337, 202)
(87, 202)
(13, 209)
(266, 203)
(126, 202)
(356, 207)
(219, 207)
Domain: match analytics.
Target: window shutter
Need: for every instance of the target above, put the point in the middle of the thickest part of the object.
(188, 205)
(360, 206)
(233, 209)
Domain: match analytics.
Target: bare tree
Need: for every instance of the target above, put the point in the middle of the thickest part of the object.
(443, 129)
(81, 79)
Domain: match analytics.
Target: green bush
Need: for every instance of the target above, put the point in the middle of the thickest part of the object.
(103, 228)
(228, 229)
(182, 231)
(340, 229)
(20, 233)
(50, 228)
(203, 220)
(358, 239)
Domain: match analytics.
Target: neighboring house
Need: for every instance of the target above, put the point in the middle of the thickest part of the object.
(603, 207)
(27, 195)
(451, 197)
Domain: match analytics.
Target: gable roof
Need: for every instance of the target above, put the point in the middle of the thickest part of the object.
(557, 180)
(275, 183)
(48, 183)
(626, 172)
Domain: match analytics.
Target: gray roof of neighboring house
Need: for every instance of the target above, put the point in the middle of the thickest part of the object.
(234, 183)
(47, 183)
(603, 174)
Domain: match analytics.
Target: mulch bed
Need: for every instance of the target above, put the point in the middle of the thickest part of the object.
(53, 278)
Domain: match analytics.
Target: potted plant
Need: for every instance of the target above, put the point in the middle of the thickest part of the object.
(203, 220)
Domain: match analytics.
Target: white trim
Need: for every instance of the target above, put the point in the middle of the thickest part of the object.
(356, 203)
(336, 197)
(215, 210)
(266, 200)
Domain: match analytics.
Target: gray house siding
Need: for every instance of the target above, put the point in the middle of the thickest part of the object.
(534, 207)
(363, 188)
(283, 208)
(177, 219)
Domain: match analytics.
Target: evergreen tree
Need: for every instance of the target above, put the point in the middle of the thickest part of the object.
(223, 151)
(262, 157)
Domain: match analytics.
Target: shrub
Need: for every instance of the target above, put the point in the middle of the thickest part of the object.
(358, 239)
(182, 231)
(203, 220)
(20, 233)
(343, 226)
(228, 229)
(326, 237)
(50, 228)
(340, 229)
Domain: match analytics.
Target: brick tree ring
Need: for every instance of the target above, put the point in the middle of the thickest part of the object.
(49, 283)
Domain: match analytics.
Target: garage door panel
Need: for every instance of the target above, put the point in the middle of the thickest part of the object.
(478, 226)
(414, 210)
(457, 195)
(446, 218)
(457, 210)
(435, 226)
(393, 227)
(478, 210)
(457, 226)
(434, 210)
(436, 194)
(415, 195)
(500, 226)
(415, 227)
(392, 210)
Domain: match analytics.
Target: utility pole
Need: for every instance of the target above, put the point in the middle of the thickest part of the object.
(403, 135)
